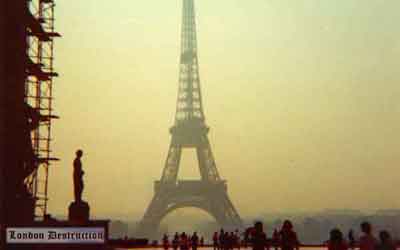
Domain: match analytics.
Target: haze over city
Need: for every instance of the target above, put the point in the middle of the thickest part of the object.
(301, 97)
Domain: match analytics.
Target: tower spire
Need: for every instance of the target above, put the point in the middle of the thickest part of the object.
(189, 103)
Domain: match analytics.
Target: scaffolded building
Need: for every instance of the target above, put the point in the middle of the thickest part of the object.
(40, 34)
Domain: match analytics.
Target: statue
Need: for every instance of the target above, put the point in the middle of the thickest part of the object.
(78, 176)
(78, 209)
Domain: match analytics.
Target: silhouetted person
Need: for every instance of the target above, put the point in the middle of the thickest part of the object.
(165, 242)
(194, 241)
(78, 176)
(184, 242)
(352, 240)
(288, 237)
(175, 241)
(386, 242)
(336, 241)
(201, 241)
(232, 240)
(237, 239)
(221, 239)
(259, 238)
(246, 237)
(275, 239)
(367, 240)
(215, 241)
(229, 241)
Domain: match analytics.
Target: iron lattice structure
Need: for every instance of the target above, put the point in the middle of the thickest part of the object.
(189, 131)
(39, 95)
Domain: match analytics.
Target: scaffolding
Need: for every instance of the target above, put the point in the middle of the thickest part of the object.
(39, 94)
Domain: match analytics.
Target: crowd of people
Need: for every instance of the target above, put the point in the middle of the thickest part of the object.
(283, 239)
(182, 241)
(226, 240)
(366, 242)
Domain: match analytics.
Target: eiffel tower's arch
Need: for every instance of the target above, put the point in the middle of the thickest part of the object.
(191, 204)
(209, 197)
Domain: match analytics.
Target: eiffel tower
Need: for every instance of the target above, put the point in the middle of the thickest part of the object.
(189, 131)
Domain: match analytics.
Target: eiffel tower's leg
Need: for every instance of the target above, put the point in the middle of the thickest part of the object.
(170, 172)
(230, 212)
(208, 169)
(158, 205)
(150, 222)
(222, 206)
(221, 203)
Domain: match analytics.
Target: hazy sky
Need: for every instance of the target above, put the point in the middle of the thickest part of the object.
(302, 97)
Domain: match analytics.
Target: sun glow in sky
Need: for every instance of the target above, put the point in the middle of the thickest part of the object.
(302, 97)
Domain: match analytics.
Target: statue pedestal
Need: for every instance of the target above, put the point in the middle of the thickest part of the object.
(78, 212)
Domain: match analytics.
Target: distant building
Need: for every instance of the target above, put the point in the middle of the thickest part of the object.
(118, 229)
(393, 212)
(342, 212)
